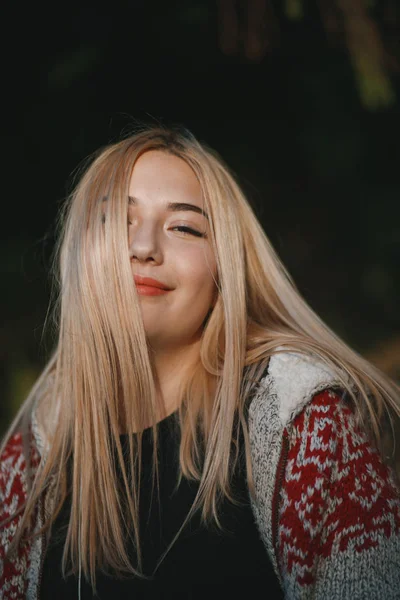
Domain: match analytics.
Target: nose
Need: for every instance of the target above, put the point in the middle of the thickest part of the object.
(144, 245)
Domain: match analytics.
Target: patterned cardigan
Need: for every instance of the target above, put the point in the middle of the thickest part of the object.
(327, 508)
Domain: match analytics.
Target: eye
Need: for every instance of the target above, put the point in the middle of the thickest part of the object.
(188, 230)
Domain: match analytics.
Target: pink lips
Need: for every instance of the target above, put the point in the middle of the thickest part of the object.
(147, 286)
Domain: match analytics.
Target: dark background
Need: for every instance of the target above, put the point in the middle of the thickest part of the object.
(314, 143)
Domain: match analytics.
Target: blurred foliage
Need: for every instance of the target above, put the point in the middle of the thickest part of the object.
(294, 9)
(365, 29)
(22, 378)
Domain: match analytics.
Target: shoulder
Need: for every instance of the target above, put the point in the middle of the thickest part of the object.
(292, 380)
(13, 471)
(11, 460)
(339, 508)
(326, 438)
(13, 494)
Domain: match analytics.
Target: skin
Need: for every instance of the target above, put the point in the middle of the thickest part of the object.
(185, 262)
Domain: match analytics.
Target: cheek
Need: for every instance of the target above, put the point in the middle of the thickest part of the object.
(198, 271)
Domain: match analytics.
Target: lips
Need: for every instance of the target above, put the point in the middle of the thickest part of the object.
(150, 283)
(147, 286)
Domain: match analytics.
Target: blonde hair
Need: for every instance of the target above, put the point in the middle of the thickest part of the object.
(101, 373)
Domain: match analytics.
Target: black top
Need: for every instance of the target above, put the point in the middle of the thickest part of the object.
(203, 562)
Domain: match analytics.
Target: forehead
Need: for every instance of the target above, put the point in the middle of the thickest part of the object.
(163, 174)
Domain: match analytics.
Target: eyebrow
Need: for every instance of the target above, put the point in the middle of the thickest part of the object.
(177, 207)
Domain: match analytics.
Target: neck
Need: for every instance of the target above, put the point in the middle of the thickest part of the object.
(171, 366)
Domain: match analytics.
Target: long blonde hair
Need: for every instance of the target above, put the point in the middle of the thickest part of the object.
(101, 373)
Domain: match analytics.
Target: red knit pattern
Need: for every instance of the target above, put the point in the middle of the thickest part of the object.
(336, 490)
(13, 494)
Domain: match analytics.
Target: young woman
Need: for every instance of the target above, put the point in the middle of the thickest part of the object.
(198, 428)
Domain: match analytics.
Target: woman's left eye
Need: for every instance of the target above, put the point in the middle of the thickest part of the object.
(181, 228)
(188, 230)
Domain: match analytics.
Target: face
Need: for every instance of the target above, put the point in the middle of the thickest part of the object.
(169, 247)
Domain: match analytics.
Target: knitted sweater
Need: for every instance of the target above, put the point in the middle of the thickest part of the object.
(327, 508)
